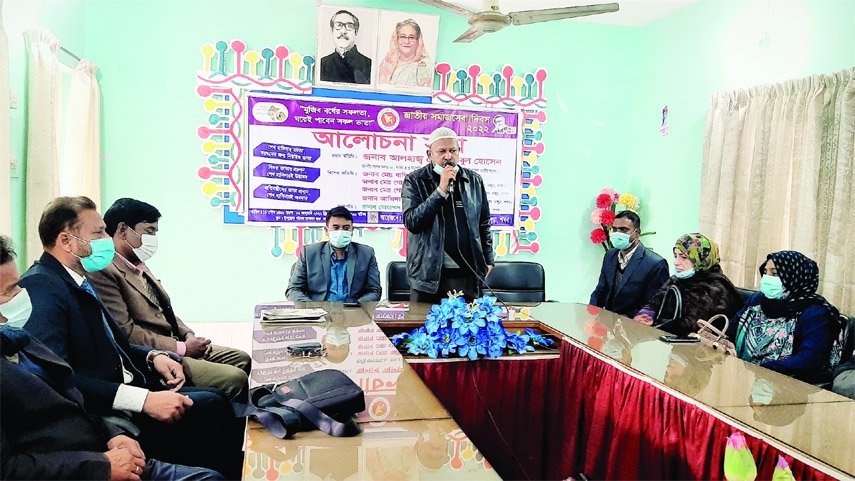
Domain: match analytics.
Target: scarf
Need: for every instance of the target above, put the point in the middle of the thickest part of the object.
(700, 250)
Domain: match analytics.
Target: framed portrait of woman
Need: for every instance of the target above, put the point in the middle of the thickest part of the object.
(406, 52)
(347, 42)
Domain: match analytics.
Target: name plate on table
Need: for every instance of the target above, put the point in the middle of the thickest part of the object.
(293, 316)
(384, 311)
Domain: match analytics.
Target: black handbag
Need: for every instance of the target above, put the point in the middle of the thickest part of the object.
(674, 323)
(325, 400)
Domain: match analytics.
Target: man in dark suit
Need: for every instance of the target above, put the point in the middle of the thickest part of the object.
(338, 270)
(142, 308)
(631, 273)
(345, 64)
(192, 427)
(45, 431)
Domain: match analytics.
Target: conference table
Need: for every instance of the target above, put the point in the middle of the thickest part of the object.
(612, 402)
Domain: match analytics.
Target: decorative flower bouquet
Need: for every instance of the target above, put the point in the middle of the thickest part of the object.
(607, 203)
(468, 330)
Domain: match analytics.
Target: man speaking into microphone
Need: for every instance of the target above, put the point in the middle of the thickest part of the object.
(446, 211)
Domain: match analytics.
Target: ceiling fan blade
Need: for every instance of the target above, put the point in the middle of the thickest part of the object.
(447, 6)
(469, 35)
(535, 16)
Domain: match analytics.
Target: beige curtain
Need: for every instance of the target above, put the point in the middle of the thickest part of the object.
(43, 94)
(81, 159)
(5, 139)
(778, 174)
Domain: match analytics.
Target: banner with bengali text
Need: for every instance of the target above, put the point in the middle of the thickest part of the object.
(308, 155)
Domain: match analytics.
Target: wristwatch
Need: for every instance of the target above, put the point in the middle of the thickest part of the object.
(149, 358)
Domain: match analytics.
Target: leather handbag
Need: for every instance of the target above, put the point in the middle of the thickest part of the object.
(325, 400)
(711, 336)
(671, 324)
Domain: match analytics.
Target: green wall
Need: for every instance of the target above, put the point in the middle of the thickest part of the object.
(606, 87)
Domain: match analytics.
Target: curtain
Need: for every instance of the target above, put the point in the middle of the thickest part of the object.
(778, 174)
(5, 139)
(81, 159)
(43, 93)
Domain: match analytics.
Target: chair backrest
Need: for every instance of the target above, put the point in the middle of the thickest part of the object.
(397, 284)
(745, 293)
(518, 281)
(848, 337)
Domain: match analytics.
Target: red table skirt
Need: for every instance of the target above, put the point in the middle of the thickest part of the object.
(556, 418)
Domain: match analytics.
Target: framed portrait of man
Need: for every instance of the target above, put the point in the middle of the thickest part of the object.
(347, 43)
(406, 52)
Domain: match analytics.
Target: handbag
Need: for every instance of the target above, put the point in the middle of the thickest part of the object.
(325, 400)
(711, 336)
(674, 323)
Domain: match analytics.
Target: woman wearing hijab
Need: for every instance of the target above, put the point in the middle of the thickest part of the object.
(407, 63)
(704, 289)
(788, 327)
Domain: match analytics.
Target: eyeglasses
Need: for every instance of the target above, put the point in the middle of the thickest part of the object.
(344, 25)
(404, 38)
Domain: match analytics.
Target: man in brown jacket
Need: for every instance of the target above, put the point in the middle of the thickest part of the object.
(142, 308)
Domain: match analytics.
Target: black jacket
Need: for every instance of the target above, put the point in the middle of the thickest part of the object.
(644, 275)
(45, 432)
(67, 319)
(422, 205)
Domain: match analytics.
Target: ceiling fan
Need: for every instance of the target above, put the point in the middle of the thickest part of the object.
(492, 19)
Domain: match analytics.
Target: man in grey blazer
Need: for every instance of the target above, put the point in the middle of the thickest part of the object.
(338, 270)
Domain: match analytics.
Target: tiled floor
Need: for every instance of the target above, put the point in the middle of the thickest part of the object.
(230, 334)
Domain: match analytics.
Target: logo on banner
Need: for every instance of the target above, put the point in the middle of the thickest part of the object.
(500, 127)
(270, 112)
(388, 119)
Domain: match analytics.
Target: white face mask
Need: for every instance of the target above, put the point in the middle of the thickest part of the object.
(148, 247)
(762, 392)
(17, 311)
(338, 336)
(340, 238)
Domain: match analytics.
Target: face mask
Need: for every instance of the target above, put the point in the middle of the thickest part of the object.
(148, 247)
(620, 240)
(762, 392)
(102, 254)
(685, 274)
(438, 168)
(771, 287)
(340, 238)
(338, 336)
(17, 310)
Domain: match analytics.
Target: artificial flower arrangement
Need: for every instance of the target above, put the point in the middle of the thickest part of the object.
(607, 203)
(468, 330)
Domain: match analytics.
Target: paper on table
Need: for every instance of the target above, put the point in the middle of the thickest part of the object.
(293, 315)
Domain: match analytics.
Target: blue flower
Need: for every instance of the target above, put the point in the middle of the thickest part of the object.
(518, 343)
(538, 339)
(422, 343)
(446, 341)
(472, 345)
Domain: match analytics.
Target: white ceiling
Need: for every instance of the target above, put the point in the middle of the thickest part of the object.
(632, 13)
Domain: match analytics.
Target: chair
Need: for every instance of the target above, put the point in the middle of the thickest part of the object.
(745, 293)
(397, 284)
(517, 282)
(848, 338)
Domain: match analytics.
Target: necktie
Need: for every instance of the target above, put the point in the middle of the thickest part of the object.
(128, 376)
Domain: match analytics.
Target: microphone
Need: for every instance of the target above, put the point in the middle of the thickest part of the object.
(450, 181)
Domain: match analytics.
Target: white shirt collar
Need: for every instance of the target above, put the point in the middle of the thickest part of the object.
(77, 277)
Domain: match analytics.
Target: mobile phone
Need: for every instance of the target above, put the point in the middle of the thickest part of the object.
(351, 304)
(671, 338)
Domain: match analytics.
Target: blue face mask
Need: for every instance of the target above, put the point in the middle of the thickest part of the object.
(685, 274)
(620, 240)
(438, 169)
(340, 238)
(771, 287)
(102, 254)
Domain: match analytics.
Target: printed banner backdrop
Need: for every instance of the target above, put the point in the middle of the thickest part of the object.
(305, 156)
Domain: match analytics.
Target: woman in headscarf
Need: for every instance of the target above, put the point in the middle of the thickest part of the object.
(788, 327)
(704, 289)
(407, 63)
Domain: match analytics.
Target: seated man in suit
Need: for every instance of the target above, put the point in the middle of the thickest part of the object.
(45, 431)
(631, 273)
(338, 270)
(136, 386)
(142, 308)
